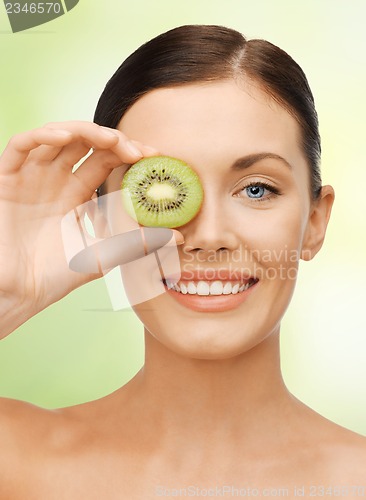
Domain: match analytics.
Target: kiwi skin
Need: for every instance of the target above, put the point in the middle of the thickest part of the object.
(165, 191)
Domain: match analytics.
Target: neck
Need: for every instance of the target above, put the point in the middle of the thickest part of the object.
(200, 399)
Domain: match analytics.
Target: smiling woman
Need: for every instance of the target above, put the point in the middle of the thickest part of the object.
(209, 407)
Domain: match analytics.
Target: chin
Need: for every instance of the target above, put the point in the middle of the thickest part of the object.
(205, 339)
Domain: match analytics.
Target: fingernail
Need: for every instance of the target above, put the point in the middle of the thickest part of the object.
(151, 151)
(133, 149)
(108, 132)
(147, 149)
(179, 238)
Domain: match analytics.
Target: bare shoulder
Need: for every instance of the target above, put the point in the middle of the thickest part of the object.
(343, 454)
(16, 433)
(27, 427)
(18, 419)
(348, 456)
(24, 430)
(328, 452)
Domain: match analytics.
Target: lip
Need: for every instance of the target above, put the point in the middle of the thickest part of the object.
(211, 303)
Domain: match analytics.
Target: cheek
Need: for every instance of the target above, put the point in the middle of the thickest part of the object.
(272, 241)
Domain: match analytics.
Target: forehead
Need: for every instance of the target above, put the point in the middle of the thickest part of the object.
(225, 119)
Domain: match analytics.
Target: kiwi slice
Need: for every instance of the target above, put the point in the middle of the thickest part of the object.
(164, 191)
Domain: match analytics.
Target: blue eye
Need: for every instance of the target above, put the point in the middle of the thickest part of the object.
(255, 191)
(259, 191)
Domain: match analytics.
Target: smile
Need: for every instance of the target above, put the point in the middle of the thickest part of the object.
(210, 296)
(209, 288)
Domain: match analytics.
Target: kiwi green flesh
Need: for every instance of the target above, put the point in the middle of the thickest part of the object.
(165, 191)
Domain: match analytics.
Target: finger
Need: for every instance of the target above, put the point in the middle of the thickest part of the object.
(50, 153)
(91, 248)
(94, 171)
(94, 135)
(97, 167)
(120, 249)
(71, 154)
(178, 238)
(20, 145)
(44, 153)
(146, 150)
(83, 139)
(90, 134)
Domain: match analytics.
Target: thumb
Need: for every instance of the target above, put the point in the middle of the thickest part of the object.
(105, 254)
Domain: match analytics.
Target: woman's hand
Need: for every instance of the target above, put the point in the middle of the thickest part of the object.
(37, 188)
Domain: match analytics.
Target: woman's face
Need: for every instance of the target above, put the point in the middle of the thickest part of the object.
(250, 230)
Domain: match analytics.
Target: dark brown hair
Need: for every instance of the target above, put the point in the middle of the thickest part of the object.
(203, 53)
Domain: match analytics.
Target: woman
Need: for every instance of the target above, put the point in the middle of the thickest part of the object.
(209, 409)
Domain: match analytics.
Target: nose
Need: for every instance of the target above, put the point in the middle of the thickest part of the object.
(213, 229)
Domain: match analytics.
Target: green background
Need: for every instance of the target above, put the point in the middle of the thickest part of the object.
(79, 349)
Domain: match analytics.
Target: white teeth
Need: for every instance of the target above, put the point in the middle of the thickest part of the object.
(203, 288)
(208, 287)
(216, 288)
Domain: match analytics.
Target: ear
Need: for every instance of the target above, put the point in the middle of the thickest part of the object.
(317, 224)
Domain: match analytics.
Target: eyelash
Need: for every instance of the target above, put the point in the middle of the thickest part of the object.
(273, 191)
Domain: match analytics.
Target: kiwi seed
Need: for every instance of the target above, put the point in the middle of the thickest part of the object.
(165, 191)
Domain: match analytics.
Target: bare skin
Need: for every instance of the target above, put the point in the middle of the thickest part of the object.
(127, 446)
(209, 408)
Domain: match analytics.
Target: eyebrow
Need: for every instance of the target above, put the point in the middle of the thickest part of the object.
(249, 160)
